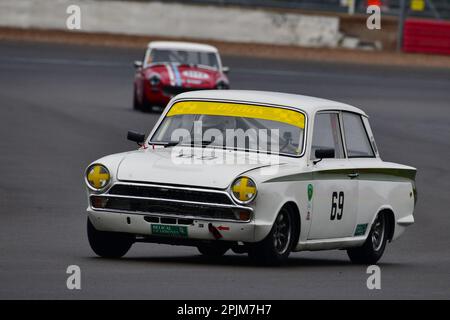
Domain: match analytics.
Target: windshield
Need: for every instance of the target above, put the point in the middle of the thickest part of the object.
(183, 57)
(233, 126)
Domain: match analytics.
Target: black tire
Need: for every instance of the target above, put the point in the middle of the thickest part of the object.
(136, 105)
(276, 247)
(373, 248)
(213, 250)
(108, 244)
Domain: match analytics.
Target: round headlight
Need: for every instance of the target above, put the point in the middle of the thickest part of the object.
(97, 176)
(243, 190)
(154, 79)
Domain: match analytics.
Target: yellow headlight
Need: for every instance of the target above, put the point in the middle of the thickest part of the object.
(243, 189)
(97, 176)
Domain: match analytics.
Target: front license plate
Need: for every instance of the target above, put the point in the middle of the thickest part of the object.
(169, 230)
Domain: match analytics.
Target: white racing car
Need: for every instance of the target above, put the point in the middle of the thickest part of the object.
(256, 172)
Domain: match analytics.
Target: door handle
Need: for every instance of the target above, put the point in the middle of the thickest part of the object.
(353, 175)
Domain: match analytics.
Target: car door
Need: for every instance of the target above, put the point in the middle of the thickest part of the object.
(335, 189)
(362, 154)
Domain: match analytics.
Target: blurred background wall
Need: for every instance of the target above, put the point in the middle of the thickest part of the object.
(306, 23)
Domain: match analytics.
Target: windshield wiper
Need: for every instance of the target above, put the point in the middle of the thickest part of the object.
(165, 144)
(203, 143)
(205, 66)
(197, 65)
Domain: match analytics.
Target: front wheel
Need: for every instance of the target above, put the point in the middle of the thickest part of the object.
(276, 247)
(136, 104)
(108, 244)
(372, 250)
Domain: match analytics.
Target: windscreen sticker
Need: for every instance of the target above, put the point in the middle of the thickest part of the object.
(290, 117)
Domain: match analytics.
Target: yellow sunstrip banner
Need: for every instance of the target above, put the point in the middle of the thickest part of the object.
(291, 117)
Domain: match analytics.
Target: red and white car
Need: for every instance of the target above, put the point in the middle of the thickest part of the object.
(170, 68)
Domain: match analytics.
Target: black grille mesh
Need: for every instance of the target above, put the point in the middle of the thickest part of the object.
(169, 193)
(164, 207)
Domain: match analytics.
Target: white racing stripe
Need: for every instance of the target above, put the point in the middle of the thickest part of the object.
(171, 75)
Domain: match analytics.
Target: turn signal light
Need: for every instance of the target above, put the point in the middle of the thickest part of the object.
(244, 215)
(99, 202)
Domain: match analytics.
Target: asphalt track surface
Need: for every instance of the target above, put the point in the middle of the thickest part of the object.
(62, 107)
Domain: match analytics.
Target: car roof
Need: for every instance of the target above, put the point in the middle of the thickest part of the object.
(178, 45)
(303, 103)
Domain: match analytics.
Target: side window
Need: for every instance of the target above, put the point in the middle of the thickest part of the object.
(327, 134)
(356, 139)
(370, 134)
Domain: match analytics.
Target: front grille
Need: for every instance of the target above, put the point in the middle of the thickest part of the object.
(171, 202)
(164, 207)
(170, 193)
(174, 90)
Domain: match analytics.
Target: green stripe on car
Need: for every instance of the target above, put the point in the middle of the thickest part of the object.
(371, 174)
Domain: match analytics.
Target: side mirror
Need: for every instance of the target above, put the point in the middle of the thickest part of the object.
(137, 64)
(137, 137)
(225, 69)
(323, 154)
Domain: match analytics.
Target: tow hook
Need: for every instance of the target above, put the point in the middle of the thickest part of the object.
(215, 232)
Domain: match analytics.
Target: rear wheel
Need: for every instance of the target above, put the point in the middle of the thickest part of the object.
(276, 247)
(372, 250)
(212, 250)
(108, 244)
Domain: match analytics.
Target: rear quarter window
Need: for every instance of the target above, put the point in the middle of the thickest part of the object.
(356, 138)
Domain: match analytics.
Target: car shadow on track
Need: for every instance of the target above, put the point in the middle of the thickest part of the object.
(237, 260)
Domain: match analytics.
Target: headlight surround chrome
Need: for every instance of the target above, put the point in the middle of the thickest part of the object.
(243, 190)
(97, 177)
